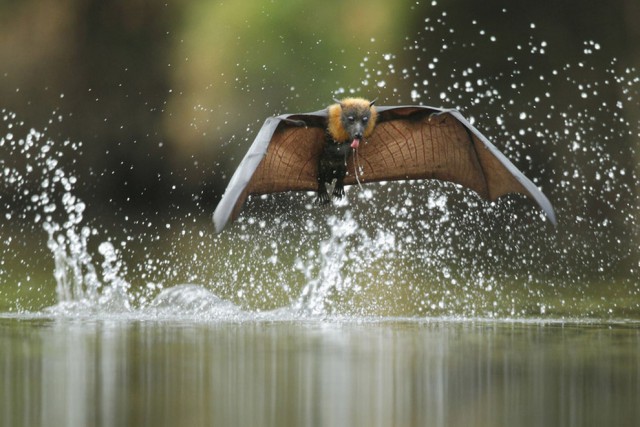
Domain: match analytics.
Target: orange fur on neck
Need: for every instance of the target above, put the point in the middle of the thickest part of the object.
(337, 131)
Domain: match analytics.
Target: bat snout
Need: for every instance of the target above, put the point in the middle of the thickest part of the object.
(356, 139)
(355, 130)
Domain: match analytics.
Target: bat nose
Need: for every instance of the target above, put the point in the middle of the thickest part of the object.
(358, 135)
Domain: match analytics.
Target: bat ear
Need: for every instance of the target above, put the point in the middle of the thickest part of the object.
(373, 102)
(337, 101)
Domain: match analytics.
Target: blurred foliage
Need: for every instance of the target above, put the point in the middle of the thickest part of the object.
(171, 94)
(238, 63)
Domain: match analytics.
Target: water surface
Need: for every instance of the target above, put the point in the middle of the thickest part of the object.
(373, 372)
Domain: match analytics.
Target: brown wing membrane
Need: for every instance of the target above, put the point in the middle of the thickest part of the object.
(423, 143)
(283, 157)
(420, 145)
(291, 161)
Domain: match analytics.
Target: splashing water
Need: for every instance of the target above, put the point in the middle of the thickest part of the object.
(43, 193)
(411, 249)
(325, 273)
(87, 286)
(418, 256)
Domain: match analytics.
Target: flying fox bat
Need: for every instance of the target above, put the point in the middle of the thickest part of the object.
(304, 152)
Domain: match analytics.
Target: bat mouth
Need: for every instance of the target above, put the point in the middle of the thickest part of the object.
(355, 143)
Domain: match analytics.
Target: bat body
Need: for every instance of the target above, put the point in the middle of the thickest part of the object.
(349, 122)
(304, 152)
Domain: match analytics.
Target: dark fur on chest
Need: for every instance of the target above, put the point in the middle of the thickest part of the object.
(332, 165)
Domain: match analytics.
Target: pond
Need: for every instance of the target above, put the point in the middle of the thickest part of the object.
(405, 303)
(331, 372)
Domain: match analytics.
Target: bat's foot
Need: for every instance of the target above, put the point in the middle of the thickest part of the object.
(338, 192)
(322, 199)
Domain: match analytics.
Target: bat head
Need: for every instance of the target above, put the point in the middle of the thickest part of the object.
(351, 120)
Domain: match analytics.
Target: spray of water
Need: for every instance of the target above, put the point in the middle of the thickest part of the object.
(411, 249)
(414, 246)
(43, 194)
(340, 265)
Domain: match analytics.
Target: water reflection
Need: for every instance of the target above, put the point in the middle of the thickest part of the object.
(82, 373)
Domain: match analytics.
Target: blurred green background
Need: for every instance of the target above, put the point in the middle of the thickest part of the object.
(165, 97)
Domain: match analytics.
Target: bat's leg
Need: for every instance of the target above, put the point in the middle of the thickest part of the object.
(339, 173)
(323, 197)
(338, 189)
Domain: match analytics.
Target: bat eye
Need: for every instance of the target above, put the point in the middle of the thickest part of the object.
(351, 119)
(365, 119)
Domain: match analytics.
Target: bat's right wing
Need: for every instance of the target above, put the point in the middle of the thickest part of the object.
(283, 157)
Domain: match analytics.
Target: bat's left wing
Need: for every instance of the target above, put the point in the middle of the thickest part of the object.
(283, 157)
(416, 142)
